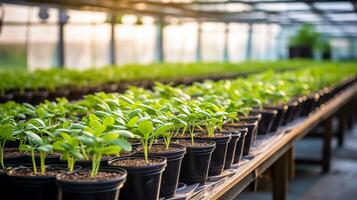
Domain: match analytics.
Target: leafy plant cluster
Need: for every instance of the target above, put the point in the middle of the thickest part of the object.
(52, 79)
(106, 124)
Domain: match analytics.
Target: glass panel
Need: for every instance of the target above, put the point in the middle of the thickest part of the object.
(238, 41)
(42, 52)
(282, 6)
(212, 45)
(180, 42)
(334, 6)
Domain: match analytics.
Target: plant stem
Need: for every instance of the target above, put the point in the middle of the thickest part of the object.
(145, 144)
(192, 135)
(70, 162)
(210, 131)
(83, 151)
(2, 158)
(33, 161)
(42, 162)
(95, 164)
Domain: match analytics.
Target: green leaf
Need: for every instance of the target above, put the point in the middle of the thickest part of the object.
(34, 138)
(6, 131)
(124, 144)
(145, 127)
(108, 121)
(45, 148)
(110, 136)
(97, 126)
(65, 136)
(126, 99)
(110, 150)
(101, 113)
(164, 128)
(37, 122)
(86, 139)
(124, 133)
(41, 112)
(132, 121)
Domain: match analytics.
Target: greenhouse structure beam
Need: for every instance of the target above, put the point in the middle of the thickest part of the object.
(251, 2)
(61, 43)
(226, 42)
(249, 46)
(199, 42)
(112, 45)
(160, 40)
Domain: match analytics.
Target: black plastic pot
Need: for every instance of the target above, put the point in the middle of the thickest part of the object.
(195, 163)
(170, 176)
(309, 104)
(143, 182)
(266, 122)
(251, 134)
(92, 190)
(12, 160)
(240, 144)
(251, 118)
(219, 153)
(88, 163)
(32, 187)
(300, 52)
(301, 102)
(289, 115)
(4, 186)
(278, 120)
(232, 144)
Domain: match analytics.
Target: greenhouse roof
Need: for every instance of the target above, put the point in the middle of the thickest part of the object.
(336, 16)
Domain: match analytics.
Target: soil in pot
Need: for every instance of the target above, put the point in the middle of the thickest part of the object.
(88, 163)
(143, 179)
(251, 134)
(13, 156)
(80, 186)
(219, 153)
(266, 122)
(170, 176)
(251, 118)
(278, 120)
(232, 144)
(33, 186)
(196, 162)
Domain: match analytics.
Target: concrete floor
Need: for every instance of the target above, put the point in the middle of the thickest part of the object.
(309, 184)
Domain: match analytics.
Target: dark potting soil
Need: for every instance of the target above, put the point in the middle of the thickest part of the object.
(161, 148)
(12, 152)
(54, 154)
(136, 162)
(229, 129)
(216, 135)
(126, 153)
(90, 158)
(29, 172)
(237, 123)
(84, 176)
(188, 143)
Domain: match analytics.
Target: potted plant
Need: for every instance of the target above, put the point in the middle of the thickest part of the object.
(196, 162)
(141, 168)
(215, 117)
(99, 140)
(304, 42)
(35, 182)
